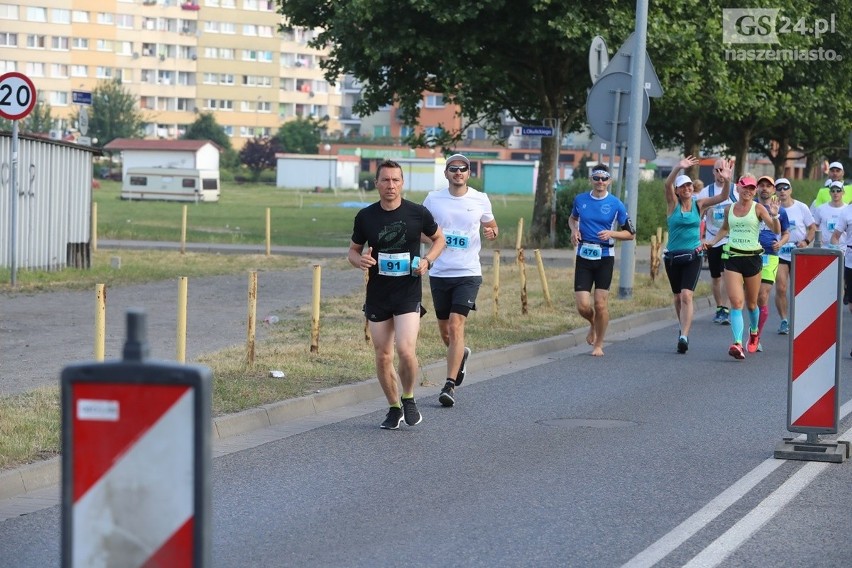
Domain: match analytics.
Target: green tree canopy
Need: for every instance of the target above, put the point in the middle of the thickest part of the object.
(39, 121)
(205, 127)
(300, 136)
(114, 113)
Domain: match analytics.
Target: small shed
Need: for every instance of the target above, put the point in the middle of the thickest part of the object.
(317, 171)
(53, 205)
(505, 176)
(176, 154)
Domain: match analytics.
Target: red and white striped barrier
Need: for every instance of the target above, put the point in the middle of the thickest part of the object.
(136, 458)
(814, 367)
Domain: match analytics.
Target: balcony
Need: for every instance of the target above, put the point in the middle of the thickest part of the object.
(190, 6)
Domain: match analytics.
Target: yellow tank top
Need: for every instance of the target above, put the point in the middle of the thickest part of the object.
(743, 233)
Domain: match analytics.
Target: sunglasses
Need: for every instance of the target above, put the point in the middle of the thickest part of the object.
(454, 169)
(835, 191)
(600, 178)
(782, 187)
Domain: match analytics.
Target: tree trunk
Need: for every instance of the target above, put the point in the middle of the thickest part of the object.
(740, 149)
(779, 160)
(692, 145)
(540, 226)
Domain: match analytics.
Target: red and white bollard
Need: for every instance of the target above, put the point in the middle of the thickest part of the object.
(814, 355)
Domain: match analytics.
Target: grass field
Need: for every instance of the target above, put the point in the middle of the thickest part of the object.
(297, 218)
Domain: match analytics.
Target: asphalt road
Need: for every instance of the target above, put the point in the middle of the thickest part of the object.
(643, 457)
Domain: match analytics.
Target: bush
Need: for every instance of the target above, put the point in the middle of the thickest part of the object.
(226, 175)
(267, 176)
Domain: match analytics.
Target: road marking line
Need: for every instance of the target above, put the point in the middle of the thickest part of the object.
(770, 506)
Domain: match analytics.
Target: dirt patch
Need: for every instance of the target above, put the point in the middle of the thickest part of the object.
(42, 333)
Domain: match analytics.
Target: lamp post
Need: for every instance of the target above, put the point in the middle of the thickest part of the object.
(327, 149)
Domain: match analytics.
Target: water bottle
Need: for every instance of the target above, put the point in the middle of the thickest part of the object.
(415, 264)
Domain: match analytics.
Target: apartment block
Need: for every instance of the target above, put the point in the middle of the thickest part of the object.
(235, 58)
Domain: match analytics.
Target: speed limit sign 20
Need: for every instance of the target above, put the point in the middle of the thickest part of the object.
(17, 95)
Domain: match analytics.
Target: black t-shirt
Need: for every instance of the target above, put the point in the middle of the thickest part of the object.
(395, 238)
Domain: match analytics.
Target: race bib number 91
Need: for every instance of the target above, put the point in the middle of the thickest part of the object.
(397, 264)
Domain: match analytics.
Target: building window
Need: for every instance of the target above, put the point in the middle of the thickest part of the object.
(8, 12)
(435, 101)
(79, 43)
(80, 17)
(103, 72)
(59, 98)
(79, 71)
(106, 18)
(60, 16)
(35, 14)
(8, 39)
(35, 69)
(124, 21)
(36, 41)
(60, 43)
(381, 131)
(59, 70)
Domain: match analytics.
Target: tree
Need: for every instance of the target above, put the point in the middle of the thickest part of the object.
(39, 121)
(301, 136)
(114, 113)
(205, 127)
(258, 154)
(481, 56)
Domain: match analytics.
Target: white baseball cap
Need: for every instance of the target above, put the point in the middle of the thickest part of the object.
(682, 180)
(837, 165)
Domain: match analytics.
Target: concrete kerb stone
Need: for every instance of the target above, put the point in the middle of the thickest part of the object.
(48, 473)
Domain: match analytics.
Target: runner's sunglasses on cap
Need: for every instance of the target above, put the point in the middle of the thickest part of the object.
(454, 169)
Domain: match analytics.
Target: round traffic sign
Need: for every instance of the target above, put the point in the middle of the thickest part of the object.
(17, 95)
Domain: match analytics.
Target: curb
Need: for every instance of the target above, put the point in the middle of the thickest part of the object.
(40, 475)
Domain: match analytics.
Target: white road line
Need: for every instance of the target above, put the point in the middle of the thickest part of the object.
(748, 525)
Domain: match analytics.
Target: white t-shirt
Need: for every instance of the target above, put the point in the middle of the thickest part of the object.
(714, 217)
(800, 218)
(460, 219)
(827, 217)
(844, 223)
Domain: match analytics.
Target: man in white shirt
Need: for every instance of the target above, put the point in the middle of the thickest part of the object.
(802, 230)
(456, 275)
(713, 219)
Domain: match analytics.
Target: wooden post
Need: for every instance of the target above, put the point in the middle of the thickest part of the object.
(268, 231)
(251, 318)
(543, 276)
(520, 237)
(496, 269)
(94, 237)
(100, 321)
(367, 337)
(180, 355)
(523, 274)
(315, 309)
(183, 232)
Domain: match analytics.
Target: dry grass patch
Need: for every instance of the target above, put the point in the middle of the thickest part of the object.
(29, 428)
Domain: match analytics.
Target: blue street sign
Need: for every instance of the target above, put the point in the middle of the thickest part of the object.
(536, 130)
(81, 97)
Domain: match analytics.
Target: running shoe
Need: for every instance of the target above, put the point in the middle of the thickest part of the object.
(784, 328)
(759, 347)
(736, 351)
(412, 415)
(447, 396)
(726, 317)
(753, 340)
(393, 419)
(463, 367)
(682, 344)
(720, 315)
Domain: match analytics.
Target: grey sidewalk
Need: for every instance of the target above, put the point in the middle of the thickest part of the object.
(35, 486)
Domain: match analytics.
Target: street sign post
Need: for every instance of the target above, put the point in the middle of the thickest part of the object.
(537, 130)
(598, 58)
(17, 95)
(17, 99)
(81, 97)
